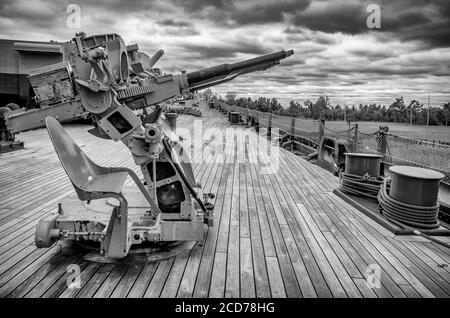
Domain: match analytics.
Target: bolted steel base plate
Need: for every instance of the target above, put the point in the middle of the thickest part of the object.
(151, 252)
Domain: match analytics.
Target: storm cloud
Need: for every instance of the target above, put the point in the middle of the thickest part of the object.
(336, 54)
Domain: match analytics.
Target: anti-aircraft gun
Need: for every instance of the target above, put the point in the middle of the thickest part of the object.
(113, 81)
(43, 84)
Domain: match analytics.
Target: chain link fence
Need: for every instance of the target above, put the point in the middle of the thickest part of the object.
(398, 150)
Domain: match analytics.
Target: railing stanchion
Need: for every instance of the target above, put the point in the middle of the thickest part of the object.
(292, 132)
(257, 121)
(321, 128)
(269, 126)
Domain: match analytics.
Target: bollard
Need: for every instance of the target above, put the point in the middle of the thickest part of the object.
(415, 186)
(359, 164)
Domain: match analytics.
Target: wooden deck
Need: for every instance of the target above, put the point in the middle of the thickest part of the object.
(283, 234)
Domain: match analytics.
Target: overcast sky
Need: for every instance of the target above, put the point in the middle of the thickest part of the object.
(336, 54)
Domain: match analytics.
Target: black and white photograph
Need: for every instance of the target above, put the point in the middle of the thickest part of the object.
(224, 156)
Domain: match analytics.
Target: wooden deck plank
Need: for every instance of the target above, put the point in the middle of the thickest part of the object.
(348, 264)
(56, 284)
(372, 257)
(267, 240)
(440, 250)
(274, 209)
(47, 284)
(143, 280)
(176, 273)
(128, 279)
(276, 281)
(289, 278)
(187, 284)
(432, 280)
(159, 279)
(410, 291)
(363, 287)
(261, 280)
(232, 286)
(224, 226)
(86, 274)
(310, 263)
(217, 289)
(390, 277)
(360, 256)
(246, 269)
(111, 281)
(305, 283)
(203, 281)
(434, 254)
(278, 234)
(194, 266)
(21, 263)
(400, 262)
(330, 254)
(424, 258)
(328, 273)
(33, 280)
(93, 285)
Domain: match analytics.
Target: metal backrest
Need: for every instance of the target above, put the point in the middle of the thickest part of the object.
(75, 162)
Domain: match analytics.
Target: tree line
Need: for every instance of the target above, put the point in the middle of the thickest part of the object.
(398, 111)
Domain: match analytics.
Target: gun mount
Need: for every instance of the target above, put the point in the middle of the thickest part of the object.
(111, 80)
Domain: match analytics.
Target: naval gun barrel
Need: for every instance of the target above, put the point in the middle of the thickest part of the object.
(156, 57)
(222, 73)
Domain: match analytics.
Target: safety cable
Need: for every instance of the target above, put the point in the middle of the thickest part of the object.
(421, 217)
(360, 185)
(340, 132)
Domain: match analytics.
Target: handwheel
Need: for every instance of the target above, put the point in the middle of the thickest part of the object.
(46, 232)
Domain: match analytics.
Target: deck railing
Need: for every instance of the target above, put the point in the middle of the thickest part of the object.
(395, 150)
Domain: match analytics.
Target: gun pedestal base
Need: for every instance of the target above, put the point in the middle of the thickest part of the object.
(84, 222)
(7, 146)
